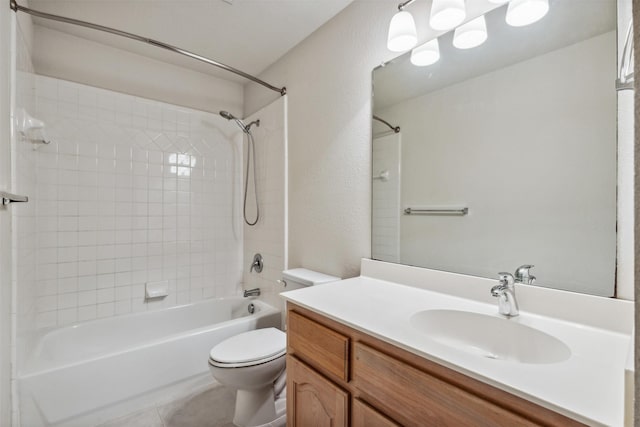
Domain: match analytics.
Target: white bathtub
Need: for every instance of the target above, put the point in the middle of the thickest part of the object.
(89, 367)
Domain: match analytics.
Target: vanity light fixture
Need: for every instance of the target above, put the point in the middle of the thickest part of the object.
(447, 14)
(426, 54)
(471, 34)
(525, 12)
(402, 30)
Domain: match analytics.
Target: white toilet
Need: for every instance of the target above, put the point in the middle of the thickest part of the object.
(253, 363)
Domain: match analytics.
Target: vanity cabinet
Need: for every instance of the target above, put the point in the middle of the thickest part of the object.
(313, 400)
(365, 416)
(338, 376)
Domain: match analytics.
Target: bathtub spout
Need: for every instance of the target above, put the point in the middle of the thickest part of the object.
(252, 293)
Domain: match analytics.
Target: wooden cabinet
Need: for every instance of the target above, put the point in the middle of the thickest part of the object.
(312, 400)
(416, 398)
(338, 376)
(364, 415)
(319, 346)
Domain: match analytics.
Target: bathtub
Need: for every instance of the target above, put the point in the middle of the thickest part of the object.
(90, 367)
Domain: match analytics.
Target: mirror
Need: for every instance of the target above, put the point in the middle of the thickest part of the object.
(506, 153)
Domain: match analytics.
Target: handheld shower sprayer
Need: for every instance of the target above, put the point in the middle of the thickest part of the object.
(245, 128)
(252, 148)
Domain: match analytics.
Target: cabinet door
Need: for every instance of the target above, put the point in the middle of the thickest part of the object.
(365, 416)
(312, 400)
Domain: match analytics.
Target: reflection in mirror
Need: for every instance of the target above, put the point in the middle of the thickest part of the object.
(521, 132)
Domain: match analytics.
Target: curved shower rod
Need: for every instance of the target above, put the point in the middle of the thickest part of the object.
(17, 8)
(395, 129)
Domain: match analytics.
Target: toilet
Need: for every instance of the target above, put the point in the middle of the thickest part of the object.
(253, 363)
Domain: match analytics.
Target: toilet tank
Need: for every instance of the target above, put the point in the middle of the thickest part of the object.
(297, 278)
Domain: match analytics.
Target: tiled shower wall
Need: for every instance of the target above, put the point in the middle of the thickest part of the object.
(132, 191)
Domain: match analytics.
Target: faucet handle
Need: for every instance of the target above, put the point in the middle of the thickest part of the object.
(506, 279)
(257, 264)
(523, 275)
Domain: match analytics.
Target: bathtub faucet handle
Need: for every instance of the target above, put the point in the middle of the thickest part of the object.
(252, 292)
(257, 264)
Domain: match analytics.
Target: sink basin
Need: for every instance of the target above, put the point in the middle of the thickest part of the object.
(490, 337)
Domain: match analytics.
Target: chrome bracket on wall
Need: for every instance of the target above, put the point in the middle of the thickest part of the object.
(8, 198)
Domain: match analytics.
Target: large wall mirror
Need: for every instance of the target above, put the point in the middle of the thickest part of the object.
(506, 153)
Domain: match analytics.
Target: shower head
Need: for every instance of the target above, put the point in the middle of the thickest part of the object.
(227, 115)
(245, 128)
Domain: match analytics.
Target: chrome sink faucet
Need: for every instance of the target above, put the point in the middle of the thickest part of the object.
(506, 294)
(523, 275)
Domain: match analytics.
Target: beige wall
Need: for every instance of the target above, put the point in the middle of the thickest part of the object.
(328, 77)
(67, 57)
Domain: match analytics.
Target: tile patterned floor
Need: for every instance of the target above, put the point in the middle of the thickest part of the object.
(211, 407)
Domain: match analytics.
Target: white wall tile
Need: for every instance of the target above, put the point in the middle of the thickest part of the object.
(113, 212)
(106, 310)
(86, 313)
(87, 283)
(66, 316)
(87, 298)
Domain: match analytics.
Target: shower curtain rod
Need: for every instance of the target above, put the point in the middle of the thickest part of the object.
(396, 129)
(17, 8)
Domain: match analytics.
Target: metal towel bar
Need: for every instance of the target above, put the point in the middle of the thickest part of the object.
(436, 211)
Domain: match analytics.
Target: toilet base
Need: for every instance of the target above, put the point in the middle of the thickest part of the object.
(254, 407)
(281, 421)
(257, 409)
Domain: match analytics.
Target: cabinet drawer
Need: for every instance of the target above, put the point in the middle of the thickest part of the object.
(415, 398)
(321, 347)
(364, 415)
(312, 400)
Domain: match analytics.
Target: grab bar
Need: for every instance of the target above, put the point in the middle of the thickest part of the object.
(8, 198)
(436, 211)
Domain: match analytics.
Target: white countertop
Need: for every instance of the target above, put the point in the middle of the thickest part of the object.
(588, 387)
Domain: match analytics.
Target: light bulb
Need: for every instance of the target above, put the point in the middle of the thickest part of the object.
(426, 54)
(447, 14)
(525, 12)
(402, 32)
(471, 34)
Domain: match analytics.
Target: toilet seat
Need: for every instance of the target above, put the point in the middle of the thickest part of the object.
(249, 349)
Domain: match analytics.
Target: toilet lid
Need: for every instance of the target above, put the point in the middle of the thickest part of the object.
(252, 346)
